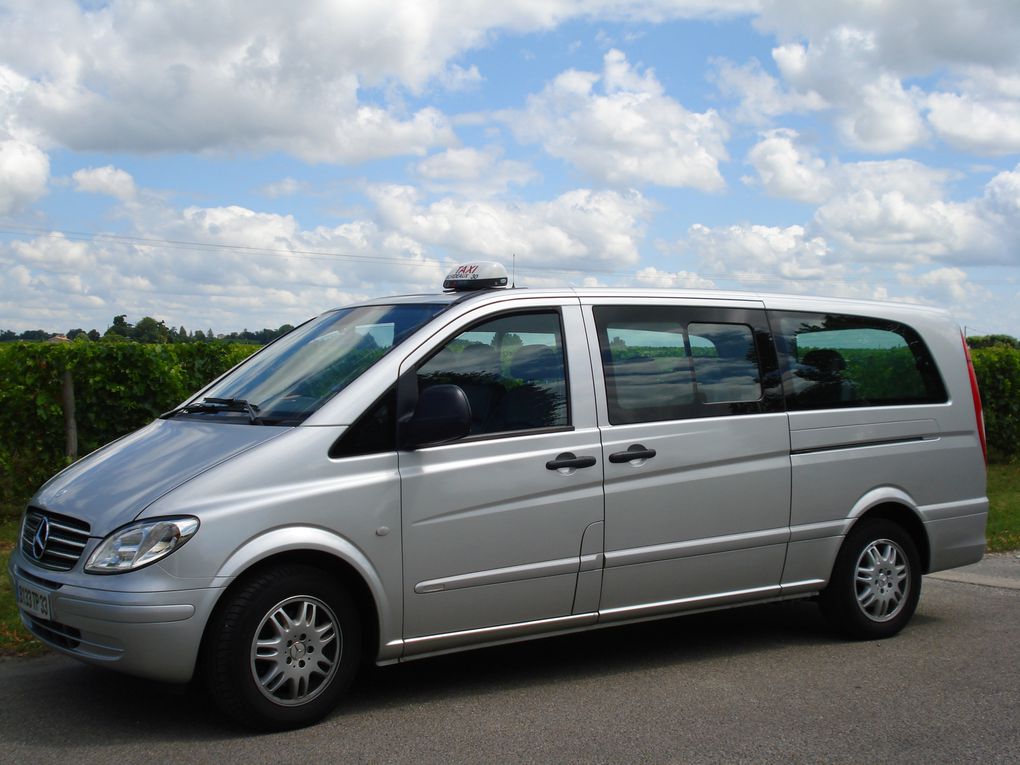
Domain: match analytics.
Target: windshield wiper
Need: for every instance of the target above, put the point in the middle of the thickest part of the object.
(214, 405)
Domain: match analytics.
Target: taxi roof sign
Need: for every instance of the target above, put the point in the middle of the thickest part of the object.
(476, 276)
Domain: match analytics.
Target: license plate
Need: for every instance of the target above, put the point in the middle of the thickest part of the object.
(33, 601)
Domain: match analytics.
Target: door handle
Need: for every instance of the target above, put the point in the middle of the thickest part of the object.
(569, 460)
(634, 452)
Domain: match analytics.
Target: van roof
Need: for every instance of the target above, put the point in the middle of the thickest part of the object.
(779, 301)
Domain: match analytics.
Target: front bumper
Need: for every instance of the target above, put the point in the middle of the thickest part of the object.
(155, 635)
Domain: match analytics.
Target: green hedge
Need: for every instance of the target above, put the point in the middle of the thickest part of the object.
(118, 388)
(998, 373)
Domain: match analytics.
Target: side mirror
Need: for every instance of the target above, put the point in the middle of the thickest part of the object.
(443, 414)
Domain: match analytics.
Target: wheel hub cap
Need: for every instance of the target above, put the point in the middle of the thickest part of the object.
(882, 580)
(296, 650)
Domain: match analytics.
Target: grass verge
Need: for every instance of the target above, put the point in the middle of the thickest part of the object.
(1004, 510)
(1003, 534)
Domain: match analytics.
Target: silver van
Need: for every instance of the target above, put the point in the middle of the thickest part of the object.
(428, 473)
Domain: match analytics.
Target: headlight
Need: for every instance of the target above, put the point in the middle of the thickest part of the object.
(140, 544)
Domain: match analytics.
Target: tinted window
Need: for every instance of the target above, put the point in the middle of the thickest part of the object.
(667, 363)
(511, 368)
(373, 433)
(725, 362)
(834, 361)
(648, 372)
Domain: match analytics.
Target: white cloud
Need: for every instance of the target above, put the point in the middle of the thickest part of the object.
(910, 36)
(629, 134)
(884, 117)
(231, 266)
(457, 77)
(989, 127)
(474, 172)
(897, 210)
(891, 218)
(861, 57)
(761, 95)
(238, 226)
(893, 211)
(285, 187)
(777, 259)
(872, 109)
(347, 82)
(1002, 197)
(654, 277)
(106, 180)
(946, 287)
(787, 170)
(754, 253)
(24, 173)
(55, 252)
(578, 226)
(194, 76)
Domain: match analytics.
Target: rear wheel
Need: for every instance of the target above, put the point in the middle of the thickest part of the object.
(283, 648)
(875, 582)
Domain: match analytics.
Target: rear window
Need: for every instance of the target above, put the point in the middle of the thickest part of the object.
(832, 361)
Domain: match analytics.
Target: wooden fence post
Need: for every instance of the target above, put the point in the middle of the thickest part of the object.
(70, 424)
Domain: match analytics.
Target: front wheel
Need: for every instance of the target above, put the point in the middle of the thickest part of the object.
(283, 648)
(875, 583)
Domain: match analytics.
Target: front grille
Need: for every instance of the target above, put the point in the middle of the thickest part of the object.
(61, 544)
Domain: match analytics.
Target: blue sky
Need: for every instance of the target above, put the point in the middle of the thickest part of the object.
(238, 165)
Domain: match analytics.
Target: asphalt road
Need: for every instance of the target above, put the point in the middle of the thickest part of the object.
(762, 684)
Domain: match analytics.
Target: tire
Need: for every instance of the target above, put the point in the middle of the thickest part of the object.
(282, 648)
(875, 582)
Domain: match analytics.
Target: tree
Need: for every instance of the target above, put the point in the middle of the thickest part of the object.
(120, 326)
(94, 334)
(74, 334)
(7, 336)
(148, 330)
(990, 341)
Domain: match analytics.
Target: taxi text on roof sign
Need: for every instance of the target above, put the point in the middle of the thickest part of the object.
(476, 276)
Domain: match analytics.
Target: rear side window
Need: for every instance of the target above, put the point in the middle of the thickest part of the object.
(677, 362)
(832, 361)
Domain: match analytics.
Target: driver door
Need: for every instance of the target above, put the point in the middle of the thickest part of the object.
(492, 528)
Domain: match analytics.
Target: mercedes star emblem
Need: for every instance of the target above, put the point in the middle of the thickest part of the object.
(41, 539)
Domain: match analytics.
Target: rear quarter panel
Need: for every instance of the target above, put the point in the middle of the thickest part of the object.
(926, 458)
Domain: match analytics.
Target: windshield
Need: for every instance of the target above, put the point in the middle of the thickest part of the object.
(298, 373)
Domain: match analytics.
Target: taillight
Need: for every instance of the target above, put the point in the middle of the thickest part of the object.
(978, 412)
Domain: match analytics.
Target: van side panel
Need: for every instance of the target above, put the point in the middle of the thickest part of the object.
(925, 457)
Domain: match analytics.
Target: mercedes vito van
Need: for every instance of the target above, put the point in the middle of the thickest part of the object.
(428, 473)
